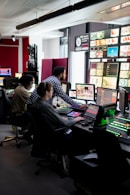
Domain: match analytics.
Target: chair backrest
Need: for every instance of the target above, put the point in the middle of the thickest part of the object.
(41, 134)
(110, 154)
(44, 136)
(5, 106)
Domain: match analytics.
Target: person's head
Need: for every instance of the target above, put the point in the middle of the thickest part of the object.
(45, 90)
(60, 72)
(27, 81)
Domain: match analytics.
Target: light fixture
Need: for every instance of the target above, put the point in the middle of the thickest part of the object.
(13, 38)
(115, 8)
(65, 10)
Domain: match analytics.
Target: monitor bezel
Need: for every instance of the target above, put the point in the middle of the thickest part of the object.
(123, 100)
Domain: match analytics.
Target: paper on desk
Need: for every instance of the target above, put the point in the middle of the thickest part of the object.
(90, 156)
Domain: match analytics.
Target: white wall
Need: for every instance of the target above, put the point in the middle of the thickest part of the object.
(50, 48)
(77, 68)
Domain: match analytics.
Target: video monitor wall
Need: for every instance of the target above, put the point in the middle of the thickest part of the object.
(104, 44)
(110, 47)
(125, 42)
(104, 74)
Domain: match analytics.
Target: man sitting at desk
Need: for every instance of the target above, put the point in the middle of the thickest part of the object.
(46, 110)
(59, 74)
(19, 102)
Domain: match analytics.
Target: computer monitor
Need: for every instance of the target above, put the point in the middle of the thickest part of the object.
(123, 100)
(66, 86)
(85, 91)
(18, 75)
(72, 93)
(2, 81)
(10, 82)
(112, 51)
(106, 96)
(5, 71)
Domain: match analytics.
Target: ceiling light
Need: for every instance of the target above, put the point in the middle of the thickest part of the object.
(13, 38)
(65, 10)
(115, 8)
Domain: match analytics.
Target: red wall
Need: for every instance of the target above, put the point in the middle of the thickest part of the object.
(9, 54)
(49, 64)
(46, 68)
(25, 53)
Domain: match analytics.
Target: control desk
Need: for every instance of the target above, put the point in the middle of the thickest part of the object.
(120, 126)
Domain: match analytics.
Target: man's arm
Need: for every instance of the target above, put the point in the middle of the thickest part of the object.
(59, 91)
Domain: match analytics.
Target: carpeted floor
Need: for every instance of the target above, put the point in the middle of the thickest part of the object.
(17, 172)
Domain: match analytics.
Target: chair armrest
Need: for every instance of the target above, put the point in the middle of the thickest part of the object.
(63, 129)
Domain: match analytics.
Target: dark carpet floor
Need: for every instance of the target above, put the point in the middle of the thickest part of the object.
(17, 172)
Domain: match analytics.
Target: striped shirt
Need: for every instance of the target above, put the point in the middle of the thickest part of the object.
(57, 91)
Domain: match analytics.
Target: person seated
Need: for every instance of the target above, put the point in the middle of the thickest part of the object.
(48, 112)
(19, 103)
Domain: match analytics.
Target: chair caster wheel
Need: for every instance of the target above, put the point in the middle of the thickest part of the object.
(18, 145)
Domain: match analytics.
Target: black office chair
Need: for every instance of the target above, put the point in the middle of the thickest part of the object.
(109, 173)
(19, 125)
(48, 142)
(5, 107)
(114, 167)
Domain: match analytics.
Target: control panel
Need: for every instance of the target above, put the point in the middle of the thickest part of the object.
(120, 126)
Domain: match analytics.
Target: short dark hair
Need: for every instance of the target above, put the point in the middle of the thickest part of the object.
(58, 70)
(43, 87)
(26, 79)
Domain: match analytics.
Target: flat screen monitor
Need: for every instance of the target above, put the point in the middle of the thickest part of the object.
(92, 111)
(112, 51)
(123, 100)
(5, 71)
(111, 69)
(109, 82)
(106, 96)
(124, 50)
(85, 91)
(10, 82)
(72, 93)
(2, 81)
(65, 86)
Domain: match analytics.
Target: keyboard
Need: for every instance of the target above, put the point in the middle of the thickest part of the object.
(120, 128)
(87, 121)
(64, 110)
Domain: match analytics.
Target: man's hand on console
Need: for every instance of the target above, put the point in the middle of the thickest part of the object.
(83, 106)
(79, 118)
